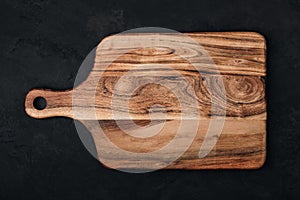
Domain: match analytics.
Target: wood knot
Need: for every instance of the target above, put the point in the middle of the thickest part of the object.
(154, 51)
(244, 89)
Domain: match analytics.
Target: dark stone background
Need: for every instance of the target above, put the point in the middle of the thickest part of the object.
(43, 43)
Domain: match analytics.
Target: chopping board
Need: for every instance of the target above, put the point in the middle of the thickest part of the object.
(171, 101)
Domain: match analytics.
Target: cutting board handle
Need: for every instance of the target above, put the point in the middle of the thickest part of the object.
(57, 103)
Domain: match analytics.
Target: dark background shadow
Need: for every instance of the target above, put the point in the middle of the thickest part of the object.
(43, 43)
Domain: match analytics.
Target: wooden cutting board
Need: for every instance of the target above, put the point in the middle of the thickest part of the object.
(236, 62)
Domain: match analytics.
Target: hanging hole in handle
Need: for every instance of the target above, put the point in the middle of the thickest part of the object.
(39, 103)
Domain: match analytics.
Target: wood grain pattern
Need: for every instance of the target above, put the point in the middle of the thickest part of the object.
(238, 61)
(240, 146)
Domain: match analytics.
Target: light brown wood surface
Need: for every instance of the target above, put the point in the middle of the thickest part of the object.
(238, 60)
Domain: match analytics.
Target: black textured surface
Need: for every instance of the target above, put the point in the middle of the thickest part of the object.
(43, 43)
